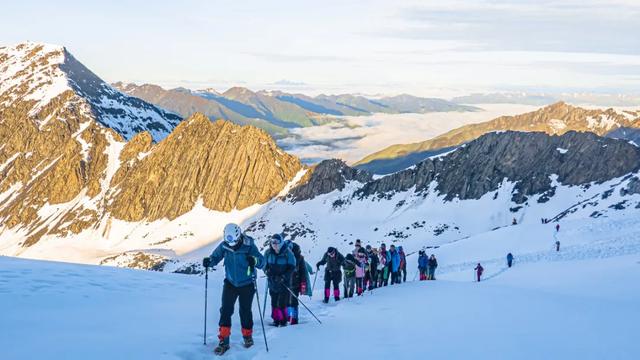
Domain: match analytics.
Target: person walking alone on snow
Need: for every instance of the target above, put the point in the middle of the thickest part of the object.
(479, 270)
(509, 259)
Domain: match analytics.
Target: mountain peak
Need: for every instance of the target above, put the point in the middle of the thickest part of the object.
(32, 75)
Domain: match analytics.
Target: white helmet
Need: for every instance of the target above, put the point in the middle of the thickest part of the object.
(232, 234)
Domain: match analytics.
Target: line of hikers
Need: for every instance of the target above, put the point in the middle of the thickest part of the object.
(365, 268)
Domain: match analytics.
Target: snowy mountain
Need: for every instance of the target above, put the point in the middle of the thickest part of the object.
(558, 118)
(479, 188)
(35, 75)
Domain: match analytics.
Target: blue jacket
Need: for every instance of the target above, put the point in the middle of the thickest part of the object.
(395, 260)
(422, 262)
(279, 268)
(236, 267)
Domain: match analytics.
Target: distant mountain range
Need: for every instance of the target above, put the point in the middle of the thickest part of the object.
(558, 118)
(596, 99)
(276, 111)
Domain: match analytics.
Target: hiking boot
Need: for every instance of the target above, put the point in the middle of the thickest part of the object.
(248, 341)
(222, 347)
(326, 300)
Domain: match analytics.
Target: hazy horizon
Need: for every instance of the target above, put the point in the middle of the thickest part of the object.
(375, 47)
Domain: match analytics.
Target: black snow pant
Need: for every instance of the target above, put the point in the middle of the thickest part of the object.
(395, 277)
(229, 295)
(370, 279)
(359, 285)
(349, 286)
(279, 299)
(404, 273)
(334, 277)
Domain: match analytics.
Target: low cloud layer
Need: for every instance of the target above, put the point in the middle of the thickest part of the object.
(352, 138)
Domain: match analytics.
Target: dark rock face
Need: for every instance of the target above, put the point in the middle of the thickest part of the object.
(526, 158)
(326, 177)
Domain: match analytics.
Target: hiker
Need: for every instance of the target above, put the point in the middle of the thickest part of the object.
(432, 264)
(423, 259)
(395, 265)
(557, 245)
(241, 257)
(479, 269)
(300, 282)
(280, 264)
(383, 268)
(370, 275)
(403, 263)
(361, 257)
(356, 247)
(509, 259)
(514, 222)
(332, 274)
(349, 265)
(557, 227)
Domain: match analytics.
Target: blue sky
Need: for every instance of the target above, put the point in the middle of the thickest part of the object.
(421, 47)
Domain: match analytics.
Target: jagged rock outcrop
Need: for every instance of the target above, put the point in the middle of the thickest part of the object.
(558, 118)
(529, 159)
(227, 166)
(325, 177)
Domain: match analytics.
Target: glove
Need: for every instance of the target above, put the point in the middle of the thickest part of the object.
(303, 287)
(206, 262)
(251, 260)
(317, 267)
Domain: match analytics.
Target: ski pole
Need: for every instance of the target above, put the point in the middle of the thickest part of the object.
(206, 285)
(300, 301)
(264, 334)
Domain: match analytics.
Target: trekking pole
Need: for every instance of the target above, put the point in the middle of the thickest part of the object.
(264, 334)
(300, 301)
(206, 285)
(415, 275)
(266, 291)
(314, 281)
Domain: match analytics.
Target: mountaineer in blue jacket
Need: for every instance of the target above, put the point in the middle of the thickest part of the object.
(395, 264)
(280, 264)
(241, 257)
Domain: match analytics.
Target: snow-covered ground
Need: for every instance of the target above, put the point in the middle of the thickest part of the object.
(580, 303)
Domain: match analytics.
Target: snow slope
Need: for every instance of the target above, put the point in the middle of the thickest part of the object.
(579, 303)
(417, 220)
